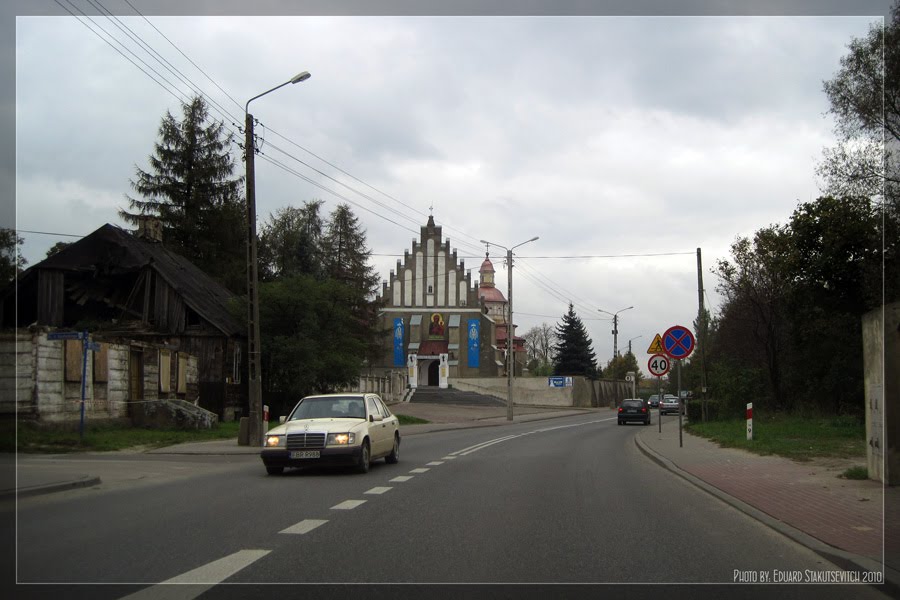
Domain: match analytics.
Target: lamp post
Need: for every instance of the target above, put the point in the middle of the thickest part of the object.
(631, 340)
(253, 347)
(510, 347)
(615, 330)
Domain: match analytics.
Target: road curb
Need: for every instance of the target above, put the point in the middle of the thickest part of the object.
(39, 490)
(846, 560)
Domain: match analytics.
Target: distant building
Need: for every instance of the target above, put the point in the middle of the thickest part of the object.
(438, 318)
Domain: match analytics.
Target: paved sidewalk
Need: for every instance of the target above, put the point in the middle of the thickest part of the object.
(855, 524)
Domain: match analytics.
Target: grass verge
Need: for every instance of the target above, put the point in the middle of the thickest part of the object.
(107, 438)
(407, 420)
(856, 473)
(794, 437)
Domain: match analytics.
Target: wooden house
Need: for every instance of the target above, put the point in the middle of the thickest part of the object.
(125, 285)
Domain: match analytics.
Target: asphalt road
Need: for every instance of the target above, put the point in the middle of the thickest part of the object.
(566, 501)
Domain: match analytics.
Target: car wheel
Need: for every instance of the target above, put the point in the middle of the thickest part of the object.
(365, 457)
(394, 456)
(620, 422)
(274, 470)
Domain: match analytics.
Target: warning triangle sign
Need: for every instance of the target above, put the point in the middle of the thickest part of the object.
(656, 346)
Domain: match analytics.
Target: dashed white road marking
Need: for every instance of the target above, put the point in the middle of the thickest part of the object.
(449, 458)
(420, 470)
(488, 443)
(204, 577)
(348, 505)
(435, 463)
(304, 526)
(379, 490)
(401, 478)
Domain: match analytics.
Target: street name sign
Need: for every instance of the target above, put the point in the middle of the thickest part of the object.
(678, 342)
(65, 335)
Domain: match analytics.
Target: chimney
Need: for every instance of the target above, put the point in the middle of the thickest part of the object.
(149, 229)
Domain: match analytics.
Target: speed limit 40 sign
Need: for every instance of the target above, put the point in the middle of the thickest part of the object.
(659, 365)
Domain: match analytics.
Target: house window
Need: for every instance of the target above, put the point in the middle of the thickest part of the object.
(236, 367)
(182, 374)
(165, 371)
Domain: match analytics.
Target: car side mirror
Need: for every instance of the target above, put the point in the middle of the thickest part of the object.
(282, 419)
(371, 418)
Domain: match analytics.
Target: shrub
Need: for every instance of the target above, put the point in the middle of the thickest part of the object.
(714, 410)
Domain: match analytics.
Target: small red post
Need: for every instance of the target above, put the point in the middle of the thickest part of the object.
(749, 421)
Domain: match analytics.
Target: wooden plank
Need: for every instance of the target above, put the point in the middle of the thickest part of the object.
(165, 370)
(73, 360)
(101, 364)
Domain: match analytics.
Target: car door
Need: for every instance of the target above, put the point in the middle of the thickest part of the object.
(378, 432)
(393, 423)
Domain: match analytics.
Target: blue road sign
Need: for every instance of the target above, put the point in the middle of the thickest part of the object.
(678, 342)
(65, 335)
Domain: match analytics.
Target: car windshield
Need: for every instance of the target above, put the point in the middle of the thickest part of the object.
(632, 404)
(336, 407)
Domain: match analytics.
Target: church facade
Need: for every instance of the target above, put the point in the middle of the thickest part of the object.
(441, 327)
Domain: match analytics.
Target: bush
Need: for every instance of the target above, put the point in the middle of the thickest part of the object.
(714, 410)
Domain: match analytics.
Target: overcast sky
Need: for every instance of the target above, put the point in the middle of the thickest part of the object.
(605, 136)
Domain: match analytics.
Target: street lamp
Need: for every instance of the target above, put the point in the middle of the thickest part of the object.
(510, 348)
(615, 330)
(631, 340)
(253, 347)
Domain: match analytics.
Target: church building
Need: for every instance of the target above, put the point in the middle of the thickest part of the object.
(443, 325)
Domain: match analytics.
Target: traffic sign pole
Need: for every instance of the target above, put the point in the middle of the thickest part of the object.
(680, 406)
(84, 355)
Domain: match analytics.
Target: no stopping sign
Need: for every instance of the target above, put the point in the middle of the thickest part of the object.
(658, 365)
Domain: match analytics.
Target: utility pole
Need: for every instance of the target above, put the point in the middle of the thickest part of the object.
(510, 347)
(254, 384)
(701, 335)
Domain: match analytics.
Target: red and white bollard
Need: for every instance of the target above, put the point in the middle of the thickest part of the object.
(265, 418)
(749, 421)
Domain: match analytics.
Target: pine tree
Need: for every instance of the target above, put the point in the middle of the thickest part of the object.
(290, 243)
(574, 355)
(190, 189)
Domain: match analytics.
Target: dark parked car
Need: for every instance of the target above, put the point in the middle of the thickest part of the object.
(653, 401)
(634, 409)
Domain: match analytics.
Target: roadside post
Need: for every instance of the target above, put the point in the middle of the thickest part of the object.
(265, 427)
(86, 345)
(678, 342)
(659, 366)
(749, 421)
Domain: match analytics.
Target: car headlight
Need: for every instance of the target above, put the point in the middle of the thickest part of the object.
(273, 441)
(341, 439)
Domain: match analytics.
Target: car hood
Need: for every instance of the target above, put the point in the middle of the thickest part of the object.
(328, 425)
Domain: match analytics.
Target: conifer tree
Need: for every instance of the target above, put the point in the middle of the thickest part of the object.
(190, 188)
(574, 355)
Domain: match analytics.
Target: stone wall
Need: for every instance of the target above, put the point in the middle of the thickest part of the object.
(535, 391)
(41, 379)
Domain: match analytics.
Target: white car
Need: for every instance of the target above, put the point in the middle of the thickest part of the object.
(669, 404)
(333, 430)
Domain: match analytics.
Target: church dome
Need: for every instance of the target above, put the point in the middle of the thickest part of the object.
(490, 293)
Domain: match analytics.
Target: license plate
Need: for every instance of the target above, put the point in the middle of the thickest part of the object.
(305, 454)
(632, 410)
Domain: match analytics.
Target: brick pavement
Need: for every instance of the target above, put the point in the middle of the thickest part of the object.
(857, 517)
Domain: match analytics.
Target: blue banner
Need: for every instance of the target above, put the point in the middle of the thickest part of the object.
(474, 337)
(399, 355)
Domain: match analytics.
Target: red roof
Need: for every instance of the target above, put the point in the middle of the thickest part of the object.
(486, 266)
(432, 348)
(490, 294)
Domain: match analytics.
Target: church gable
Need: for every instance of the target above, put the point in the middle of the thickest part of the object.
(430, 276)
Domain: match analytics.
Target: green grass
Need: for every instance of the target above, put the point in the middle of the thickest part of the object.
(106, 438)
(798, 438)
(407, 420)
(856, 473)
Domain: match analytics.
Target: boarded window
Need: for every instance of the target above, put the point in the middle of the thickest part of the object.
(165, 371)
(101, 364)
(73, 360)
(236, 368)
(182, 374)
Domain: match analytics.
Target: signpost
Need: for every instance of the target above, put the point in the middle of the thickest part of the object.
(658, 366)
(678, 342)
(86, 345)
(749, 421)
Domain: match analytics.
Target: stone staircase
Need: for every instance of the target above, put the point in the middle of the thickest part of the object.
(435, 395)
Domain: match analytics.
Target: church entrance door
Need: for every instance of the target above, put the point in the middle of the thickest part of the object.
(434, 373)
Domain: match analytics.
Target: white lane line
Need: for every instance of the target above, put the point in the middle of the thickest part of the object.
(509, 437)
(401, 478)
(379, 490)
(348, 505)
(205, 577)
(435, 463)
(420, 470)
(449, 458)
(304, 526)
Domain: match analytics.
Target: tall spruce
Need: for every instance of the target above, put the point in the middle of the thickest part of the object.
(290, 243)
(190, 188)
(574, 355)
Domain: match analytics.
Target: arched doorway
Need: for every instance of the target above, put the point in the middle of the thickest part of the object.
(434, 373)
